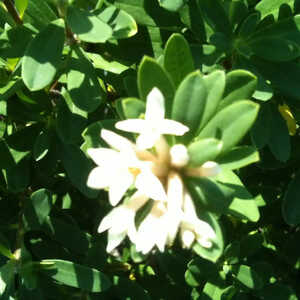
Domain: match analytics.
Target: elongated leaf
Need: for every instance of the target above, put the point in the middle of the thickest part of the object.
(122, 24)
(238, 157)
(82, 82)
(271, 7)
(231, 123)
(290, 204)
(178, 60)
(75, 275)
(43, 56)
(248, 277)
(21, 6)
(41, 145)
(130, 108)
(202, 151)
(87, 26)
(151, 75)
(171, 5)
(189, 104)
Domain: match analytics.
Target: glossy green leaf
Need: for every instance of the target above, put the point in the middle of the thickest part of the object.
(207, 194)
(178, 60)
(248, 277)
(290, 204)
(271, 7)
(202, 151)
(43, 56)
(7, 273)
(240, 85)
(238, 157)
(189, 104)
(212, 291)
(131, 108)
(87, 26)
(41, 145)
(171, 5)
(216, 250)
(38, 208)
(82, 82)
(75, 275)
(78, 167)
(243, 205)
(216, 16)
(231, 123)
(215, 85)
(21, 6)
(150, 75)
(122, 24)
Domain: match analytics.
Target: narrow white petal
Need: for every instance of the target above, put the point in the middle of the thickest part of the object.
(204, 229)
(102, 156)
(172, 127)
(99, 178)
(147, 139)
(116, 141)
(147, 183)
(119, 186)
(163, 150)
(137, 200)
(204, 242)
(189, 207)
(132, 125)
(114, 240)
(155, 106)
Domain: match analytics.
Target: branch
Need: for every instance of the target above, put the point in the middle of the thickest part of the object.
(13, 12)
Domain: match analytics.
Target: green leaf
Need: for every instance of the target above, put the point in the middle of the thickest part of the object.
(231, 123)
(290, 204)
(202, 151)
(240, 85)
(207, 194)
(279, 135)
(238, 157)
(216, 250)
(271, 7)
(75, 275)
(82, 82)
(189, 103)
(171, 5)
(41, 145)
(21, 6)
(150, 75)
(243, 204)
(215, 84)
(7, 274)
(37, 209)
(130, 108)
(178, 60)
(248, 277)
(78, 167)
(212, 291)
(43, 56)
(122, 24)
(87, 26)
(215, 15)
(7, 160)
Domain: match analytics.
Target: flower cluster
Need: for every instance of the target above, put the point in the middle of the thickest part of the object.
(155, 170)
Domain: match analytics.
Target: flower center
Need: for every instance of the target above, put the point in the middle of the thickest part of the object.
(134, 171)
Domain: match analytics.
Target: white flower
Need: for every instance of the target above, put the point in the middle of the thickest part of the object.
(192, 228)
(208, 169)
(154, 125)
(179, 156)
(120, 221)
(118, 170)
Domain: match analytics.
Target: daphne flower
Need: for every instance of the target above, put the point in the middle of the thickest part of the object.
(154, 125)
(192, 228)
(120, 221)
(118, 170)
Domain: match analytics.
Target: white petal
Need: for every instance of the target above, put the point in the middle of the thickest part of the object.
(147, 139)
(109, 220)
(189, 207)
(172, 127)
(116, 141)
(132, 125)
(155, 106)
(114, 240)
(99, 178)
(179, 155)
(204, 242)
(147, 183)
(102, 156)
(137, 200)
(162, 149)
(119, 186)
(204, 229)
